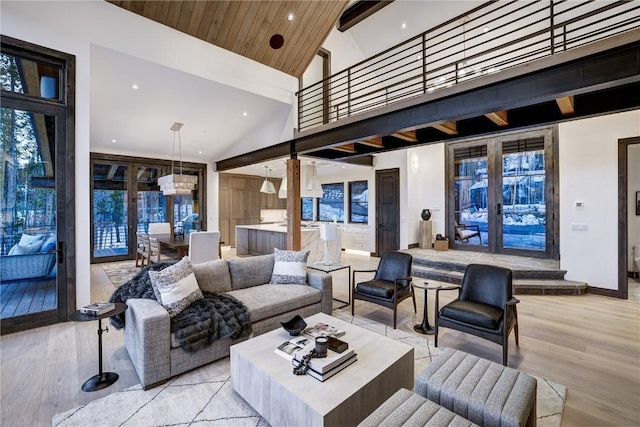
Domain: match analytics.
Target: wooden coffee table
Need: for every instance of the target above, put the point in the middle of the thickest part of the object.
(266, 381)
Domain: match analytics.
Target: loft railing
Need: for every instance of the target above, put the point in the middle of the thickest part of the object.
(488, 39)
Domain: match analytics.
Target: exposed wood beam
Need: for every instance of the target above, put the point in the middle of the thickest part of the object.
(449, 128)
(112, 171)
(566, 105)
(373, 142)
(347, 148)
(294, 208)
(409, 135)
(498, 117)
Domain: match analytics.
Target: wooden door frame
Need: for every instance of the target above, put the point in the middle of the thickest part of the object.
(64, 111)
(623, 216)
(552, 245)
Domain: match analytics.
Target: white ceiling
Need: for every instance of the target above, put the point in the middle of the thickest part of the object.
(212, 113)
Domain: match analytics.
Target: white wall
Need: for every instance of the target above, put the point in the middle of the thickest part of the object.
(73, 27)
(392, 160)
(633, 186)
(426, 184)
(588, 165)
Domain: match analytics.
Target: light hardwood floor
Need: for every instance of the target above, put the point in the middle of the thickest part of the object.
(589, 343)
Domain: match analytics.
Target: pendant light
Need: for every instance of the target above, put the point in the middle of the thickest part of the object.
(267, 185)
(177, 184)
(282, 193)
(314, 189)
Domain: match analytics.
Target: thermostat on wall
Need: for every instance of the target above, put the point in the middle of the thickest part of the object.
(579, 205)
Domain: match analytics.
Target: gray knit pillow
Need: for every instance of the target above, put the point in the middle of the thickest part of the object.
(290, 267)
(176, 285)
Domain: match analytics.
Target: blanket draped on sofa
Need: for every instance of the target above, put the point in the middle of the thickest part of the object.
(216, 316)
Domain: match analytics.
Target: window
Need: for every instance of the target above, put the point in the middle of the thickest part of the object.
(359, 202)
(307, 208)
(332, 203)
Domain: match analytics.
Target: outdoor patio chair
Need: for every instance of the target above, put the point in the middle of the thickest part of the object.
(465, 232)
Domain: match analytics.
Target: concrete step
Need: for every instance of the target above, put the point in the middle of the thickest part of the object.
(521, 286)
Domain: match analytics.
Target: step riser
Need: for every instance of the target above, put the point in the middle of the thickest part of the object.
(517, 274)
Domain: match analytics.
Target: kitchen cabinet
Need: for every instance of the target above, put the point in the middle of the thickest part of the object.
(358, 238)
(239, 198)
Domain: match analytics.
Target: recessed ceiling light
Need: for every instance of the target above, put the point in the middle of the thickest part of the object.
(114, 141)
(485, 29)
(404, 25)
(244, 114)
(199, 151)
(134, 86)
(290, 16)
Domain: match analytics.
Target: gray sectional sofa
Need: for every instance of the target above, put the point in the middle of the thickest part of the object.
(155, 354)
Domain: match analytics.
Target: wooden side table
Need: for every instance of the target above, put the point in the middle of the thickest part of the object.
(425, 327)
(103, 379)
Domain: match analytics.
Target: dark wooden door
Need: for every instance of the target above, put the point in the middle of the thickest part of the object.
(387, 211)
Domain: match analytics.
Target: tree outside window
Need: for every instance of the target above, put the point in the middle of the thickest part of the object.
(359, 202)
(331, 204)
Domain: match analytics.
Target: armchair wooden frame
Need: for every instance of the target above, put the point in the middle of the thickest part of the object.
(496, 336)
(392, 302)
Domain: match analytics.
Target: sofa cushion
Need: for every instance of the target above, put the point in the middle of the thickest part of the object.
(251, 271)
(213, 276)
(176, 285)
(271, 300)
(49, 244)
(28, 244)
(289, 267)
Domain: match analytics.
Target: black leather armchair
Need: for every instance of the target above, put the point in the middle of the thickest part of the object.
(485, 306)
(390, 286)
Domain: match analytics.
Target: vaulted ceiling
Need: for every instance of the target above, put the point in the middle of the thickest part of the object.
(250, 28)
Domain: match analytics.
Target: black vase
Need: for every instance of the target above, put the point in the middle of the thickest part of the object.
(426, 214)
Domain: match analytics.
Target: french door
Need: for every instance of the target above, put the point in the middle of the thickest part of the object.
(501, 194)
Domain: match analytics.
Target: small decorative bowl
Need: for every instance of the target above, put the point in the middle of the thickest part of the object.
(294, 326)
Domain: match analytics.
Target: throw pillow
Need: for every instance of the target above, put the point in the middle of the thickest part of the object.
(28, 244)
(176, 285)
(49, 244)
(250, 271)
(290, 267)
(213, 276)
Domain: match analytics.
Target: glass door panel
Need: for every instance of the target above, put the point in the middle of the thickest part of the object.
(523, 200)
(28, 208)
(471, 185)
(110, 211)
(151, 203)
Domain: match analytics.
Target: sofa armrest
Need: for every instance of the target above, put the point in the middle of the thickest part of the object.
(323, 282)
(147, 338)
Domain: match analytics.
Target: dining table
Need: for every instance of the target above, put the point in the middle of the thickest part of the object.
(178, 243)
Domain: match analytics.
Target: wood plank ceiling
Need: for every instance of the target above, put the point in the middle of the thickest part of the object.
(246, 27)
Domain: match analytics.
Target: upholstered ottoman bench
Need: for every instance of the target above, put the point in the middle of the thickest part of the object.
(483, 392)
(406, 408)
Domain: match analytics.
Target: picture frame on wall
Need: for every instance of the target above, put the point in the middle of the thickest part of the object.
(638, 203)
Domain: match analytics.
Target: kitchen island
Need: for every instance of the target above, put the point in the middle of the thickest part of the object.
(260, 239)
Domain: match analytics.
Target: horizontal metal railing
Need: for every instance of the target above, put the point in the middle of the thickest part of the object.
(488, 39)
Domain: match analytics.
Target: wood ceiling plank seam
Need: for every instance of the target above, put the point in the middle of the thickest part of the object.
(207, 19)
(248, 22)
(218, 21)
(174, 13)
(319, 36)
(162, 12)
(278, 18)
(137, 7)
(269, 53)
(186, 12)
(260, 39)
(231, 33)
(295, 31)
(197, 15)
(149, 10)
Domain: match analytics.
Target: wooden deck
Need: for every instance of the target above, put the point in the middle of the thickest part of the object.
(26, 297)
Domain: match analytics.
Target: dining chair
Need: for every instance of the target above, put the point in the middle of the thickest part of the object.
(142, 248)
(204, 246)
(159, 228)
(154, 250)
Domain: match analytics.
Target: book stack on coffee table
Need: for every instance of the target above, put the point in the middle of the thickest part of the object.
(324, 368)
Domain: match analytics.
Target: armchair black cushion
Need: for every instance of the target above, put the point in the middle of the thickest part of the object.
(485, 306)
(390, 286)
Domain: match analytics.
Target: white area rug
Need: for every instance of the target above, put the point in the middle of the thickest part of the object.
(204, 397)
